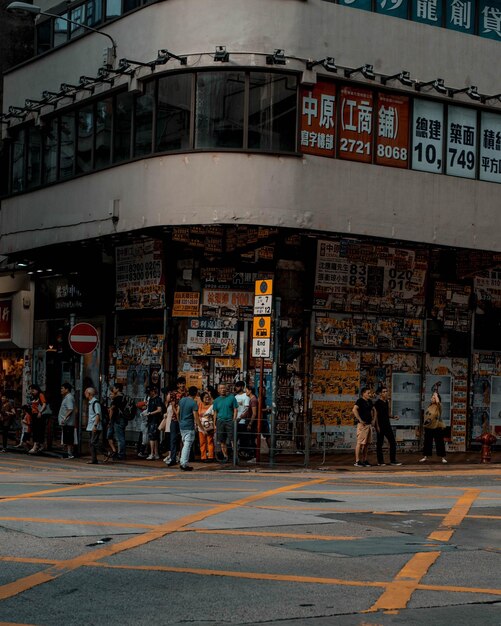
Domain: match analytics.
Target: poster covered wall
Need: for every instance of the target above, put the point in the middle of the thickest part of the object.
(139, 275)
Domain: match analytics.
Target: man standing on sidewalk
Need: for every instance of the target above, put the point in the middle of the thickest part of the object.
(188, 416)
(364, 414)
(384, 429)
(94, 424)
(66, 418)
(225, 412)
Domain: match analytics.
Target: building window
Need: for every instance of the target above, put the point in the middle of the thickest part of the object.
(122, 127)
(85, 139)
(220, 98)
(50, 144)
(272, 112)
(104, 125)
(174, 113)
(33, 168)
(44, 33)
(67, 133)
(113, 8)
(60, 30)
(143, 121)
(18, 161)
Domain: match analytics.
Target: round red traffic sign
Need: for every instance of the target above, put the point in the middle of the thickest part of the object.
(83, 338)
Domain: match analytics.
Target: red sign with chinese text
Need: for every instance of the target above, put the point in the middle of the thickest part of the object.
(392, 144)
(318, 119)
(356, 124)
(5, 320)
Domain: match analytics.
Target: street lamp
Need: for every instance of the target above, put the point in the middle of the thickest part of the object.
(23, 8)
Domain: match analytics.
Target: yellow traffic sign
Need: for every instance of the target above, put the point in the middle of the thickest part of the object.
(261, 328)
(263, 287)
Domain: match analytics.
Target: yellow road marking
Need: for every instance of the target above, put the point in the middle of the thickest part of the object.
(28, 582)
(455, 516)
(74, 522)
(256, 533)
(121, 501)
(26, 559)
(466, 516)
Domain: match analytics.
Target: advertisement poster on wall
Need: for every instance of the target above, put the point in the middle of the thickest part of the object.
(406, 398)
(356, 124)
(428, 136)
(318, 119)
(392, 144)
(495, 406)
(139, 275)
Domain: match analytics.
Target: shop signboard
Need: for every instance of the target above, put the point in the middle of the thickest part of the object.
(139, 275)
(460, 15)
(427, 12)
(461, 141)
(396, 8)
(356, 124)
(490, 19)
(226, 302)
(212, 337)
(5, 320)
(428, 136)
(490, 147)
(318, 119)
(186, 304)
(392, 144)
(365, 5)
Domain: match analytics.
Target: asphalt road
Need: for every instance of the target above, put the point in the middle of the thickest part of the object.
(122, 544)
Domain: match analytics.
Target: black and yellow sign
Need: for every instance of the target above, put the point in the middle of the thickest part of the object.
(263, 287)
(261, 328)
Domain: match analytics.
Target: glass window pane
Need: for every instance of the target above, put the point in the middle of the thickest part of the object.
(123, 127)
(130, 5)
(104, 115)
(77, 15)
(43, 36)
(220, 110)
(143, 118)
(94, 12)
(60, 30)
(85, 138)
(18, 152)
(174, 112)
(67, 145)
(49, 167)
(272, 112)
(113, 8)
(33, 171)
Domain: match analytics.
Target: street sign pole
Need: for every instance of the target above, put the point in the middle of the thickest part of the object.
(260, 410)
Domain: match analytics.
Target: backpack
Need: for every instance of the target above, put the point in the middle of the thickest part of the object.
(128, 409)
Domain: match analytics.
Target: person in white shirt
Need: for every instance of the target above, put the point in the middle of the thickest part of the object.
(243, 404)
(94, 423)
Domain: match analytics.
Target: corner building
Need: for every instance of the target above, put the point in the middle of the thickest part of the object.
(349, 150)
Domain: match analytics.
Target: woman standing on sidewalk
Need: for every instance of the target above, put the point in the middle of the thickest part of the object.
(433, 429)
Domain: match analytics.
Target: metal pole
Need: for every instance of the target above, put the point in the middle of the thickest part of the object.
(80, 406)
(259, 411)
(235, 434)
(274, 378)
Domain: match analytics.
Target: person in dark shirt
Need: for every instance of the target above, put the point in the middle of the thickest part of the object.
(364, 415)
(384, 429)
(154, 412)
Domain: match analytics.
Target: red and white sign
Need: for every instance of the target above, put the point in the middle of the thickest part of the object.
(356, 117)
(83, 338)
(392, 145)
(318, 119)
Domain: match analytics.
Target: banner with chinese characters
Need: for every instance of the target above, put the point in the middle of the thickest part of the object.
(360, 277)
(460, 15)
(461, 141)
(428, 136)
(5, 320)
(139, 275)
(490, 19)
(366, 5)
(186, 304)
(318, 119)
(356, 124)
(396, 8)
(392, 145)
(212, 336)
(227, 303)
(490, 147)
(427, 12)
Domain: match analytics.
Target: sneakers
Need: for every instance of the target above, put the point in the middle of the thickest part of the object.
(150, 458)
(425, 458)
(3, 450)
(186, 468)
(395, 463)
(33, 450)
(251, 461)
(141, 455)
(366, 464)
(167, 460)
(383, 464)
(444, 460)
(70, 456)
(358, 464)
(156, 457)
(171, 463)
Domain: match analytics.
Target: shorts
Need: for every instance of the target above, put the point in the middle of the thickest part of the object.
(153, 432)
(110, 432)
(364, 434)
(224, 431)
(68, 435)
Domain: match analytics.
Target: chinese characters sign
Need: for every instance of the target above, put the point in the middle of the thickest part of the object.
(461, 15)
(490, 147)
(397, 8)
(5, 320)
(210, 336)
(356, 124)
(318, 123)
(392, 130)
(428, 131)
(186, 304)
(427, 11)
(461, 141)
(490, 19)
(140, 282)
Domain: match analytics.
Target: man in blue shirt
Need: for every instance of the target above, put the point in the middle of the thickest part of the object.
(188, 416)
(225, 411)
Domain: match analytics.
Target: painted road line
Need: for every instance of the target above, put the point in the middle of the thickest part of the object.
(256, 533)
(28, 582)
(455, 516)
(74, 522)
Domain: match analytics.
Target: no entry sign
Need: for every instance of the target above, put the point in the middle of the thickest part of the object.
(83, 338)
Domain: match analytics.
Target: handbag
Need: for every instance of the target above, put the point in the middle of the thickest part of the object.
(163, 424)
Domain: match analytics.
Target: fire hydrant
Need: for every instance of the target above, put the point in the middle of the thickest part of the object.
(487, 441)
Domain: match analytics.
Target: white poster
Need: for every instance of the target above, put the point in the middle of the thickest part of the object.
(461, 141)
(427, 136)
(406, 398)
(490, 147)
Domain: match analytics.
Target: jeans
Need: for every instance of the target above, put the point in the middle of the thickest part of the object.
(381, 434)
(174, 439)
(188, 437)
(119, 427)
